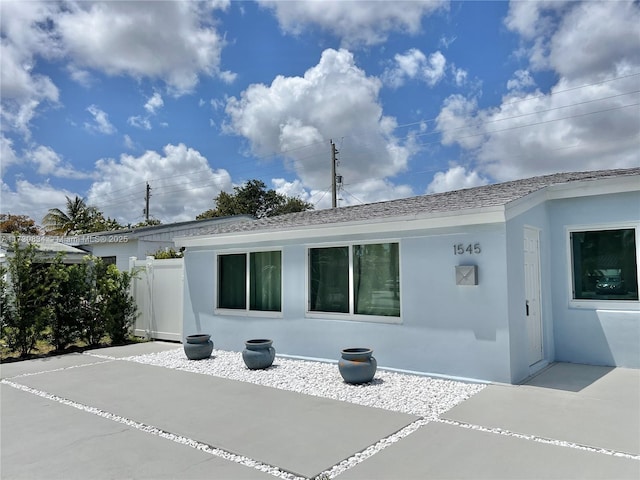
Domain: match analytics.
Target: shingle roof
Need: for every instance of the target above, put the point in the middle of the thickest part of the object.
(470, 198)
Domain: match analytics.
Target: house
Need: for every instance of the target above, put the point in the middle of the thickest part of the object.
(119, 246)
(490, 283)
(47, 248)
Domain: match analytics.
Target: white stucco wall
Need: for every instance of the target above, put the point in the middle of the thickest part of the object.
(599, 336)
(446, 329)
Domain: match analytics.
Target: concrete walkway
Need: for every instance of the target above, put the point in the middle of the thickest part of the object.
(87, 417)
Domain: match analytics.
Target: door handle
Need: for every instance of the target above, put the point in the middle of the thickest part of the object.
(527, 307)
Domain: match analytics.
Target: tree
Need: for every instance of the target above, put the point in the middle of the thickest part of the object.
(58, 222)
(78, 218)
(146, 223)
(21, 224)
(254, 199)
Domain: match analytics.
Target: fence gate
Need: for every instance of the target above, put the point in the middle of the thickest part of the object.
(157, 290)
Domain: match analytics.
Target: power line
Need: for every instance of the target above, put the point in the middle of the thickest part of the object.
(547, 95)
(535, 97)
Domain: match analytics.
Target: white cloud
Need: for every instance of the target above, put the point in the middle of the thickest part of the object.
(455, 178)
(459, 75)
(33, 200)
(356, 23)
(183, 185)
(521, 80)
(595, 39)
(367, 191)
(139, 122)
(21, 91)
(460, 122)
(48, 162)
(154, 103)
(416, 65)
(79, 75)
(298, 115)
(7, 154)
(290, 189)
(128, 142)
(173, 41)
(100, 123)
(588, 120)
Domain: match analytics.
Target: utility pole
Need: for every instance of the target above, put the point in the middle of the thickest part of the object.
(146, 198)
(334, 190)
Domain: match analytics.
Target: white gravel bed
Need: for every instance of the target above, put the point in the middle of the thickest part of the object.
(422, 396)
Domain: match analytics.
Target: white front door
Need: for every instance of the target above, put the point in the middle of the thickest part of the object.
(532, 306)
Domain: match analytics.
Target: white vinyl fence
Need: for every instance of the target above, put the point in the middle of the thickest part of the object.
(157, 290)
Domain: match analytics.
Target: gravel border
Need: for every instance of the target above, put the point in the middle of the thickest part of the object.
(423, 396)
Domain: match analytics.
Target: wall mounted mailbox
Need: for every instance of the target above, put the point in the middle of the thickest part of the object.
(466, 275)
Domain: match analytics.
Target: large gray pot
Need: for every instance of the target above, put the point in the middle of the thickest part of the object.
(198, 346)
(357, 365)
(258, 353)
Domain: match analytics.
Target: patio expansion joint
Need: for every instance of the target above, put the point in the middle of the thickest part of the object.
(277, 472)
(373, 449)
(150, 429)
(535, 438)
(61, 369)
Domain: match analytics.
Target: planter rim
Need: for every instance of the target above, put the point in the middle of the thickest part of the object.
(199, 335)
(357, 350)
(254, 341)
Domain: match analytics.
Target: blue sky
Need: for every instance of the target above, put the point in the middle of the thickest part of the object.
(195, 98)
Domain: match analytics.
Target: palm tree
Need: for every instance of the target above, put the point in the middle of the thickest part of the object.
(57, 222)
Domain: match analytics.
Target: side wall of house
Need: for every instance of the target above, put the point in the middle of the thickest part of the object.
(599, 336)
(122, 251)
(536, 218)
(447, 329)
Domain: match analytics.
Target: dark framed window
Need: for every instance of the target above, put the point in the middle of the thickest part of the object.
(250, 279)
(109, 260)
(604, 264)
(357, 279)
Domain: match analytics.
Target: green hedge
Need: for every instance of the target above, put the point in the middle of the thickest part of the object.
(61, 303)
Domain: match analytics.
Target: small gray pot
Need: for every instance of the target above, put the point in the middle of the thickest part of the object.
(357, 365)
(198, 346)
(258, 353)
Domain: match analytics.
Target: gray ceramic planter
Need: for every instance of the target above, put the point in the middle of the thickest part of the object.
(258, 353)
(198, 346)
(357, 365)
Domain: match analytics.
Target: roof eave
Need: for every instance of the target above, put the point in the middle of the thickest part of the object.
(407, 223)
(575, 189)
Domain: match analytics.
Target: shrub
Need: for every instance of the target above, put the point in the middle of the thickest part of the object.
(66, 284)
(166, 253)
(62, 303)
(92, 324)
(25, 312)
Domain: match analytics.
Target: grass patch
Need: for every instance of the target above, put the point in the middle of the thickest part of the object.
(45, 349)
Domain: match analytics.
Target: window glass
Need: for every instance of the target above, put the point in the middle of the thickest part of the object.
(604, 265)
(376, 279)
(374, 288)
(265, 281)
(232, 285)
(329, 279)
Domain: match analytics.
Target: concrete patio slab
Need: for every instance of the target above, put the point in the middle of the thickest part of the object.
(143, 348)
(12, 369)
(599, 414)
(41, 438)
(451, 452)
(298, 433)
(619, 385)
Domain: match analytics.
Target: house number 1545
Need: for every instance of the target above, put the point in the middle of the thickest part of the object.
(469, 248)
